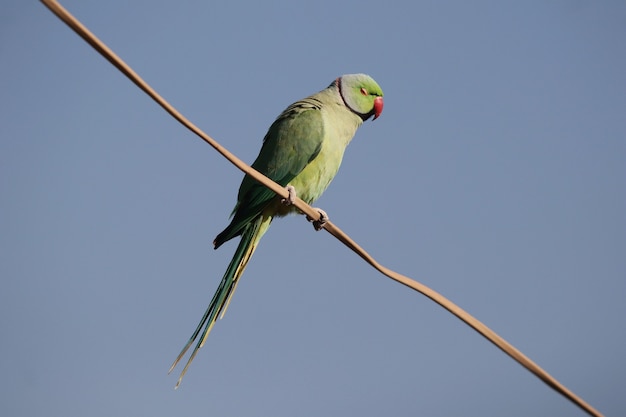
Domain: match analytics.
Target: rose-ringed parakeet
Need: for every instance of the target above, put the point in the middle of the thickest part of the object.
(302, 151)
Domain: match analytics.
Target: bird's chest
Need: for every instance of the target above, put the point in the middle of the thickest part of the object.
(317, 175)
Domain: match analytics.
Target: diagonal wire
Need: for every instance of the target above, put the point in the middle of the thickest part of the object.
(485, 331)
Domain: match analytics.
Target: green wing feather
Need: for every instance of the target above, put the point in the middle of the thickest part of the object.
(291, 143)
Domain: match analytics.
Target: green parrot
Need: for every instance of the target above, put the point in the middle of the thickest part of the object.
(301, 151)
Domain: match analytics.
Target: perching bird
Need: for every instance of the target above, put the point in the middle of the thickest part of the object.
(302, 151)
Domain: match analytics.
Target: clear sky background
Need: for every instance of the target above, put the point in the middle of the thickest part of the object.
(496, 175)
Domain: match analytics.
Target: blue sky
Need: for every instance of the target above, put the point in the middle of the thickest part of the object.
(496, 175)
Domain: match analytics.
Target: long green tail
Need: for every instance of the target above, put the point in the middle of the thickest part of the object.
(221, 299)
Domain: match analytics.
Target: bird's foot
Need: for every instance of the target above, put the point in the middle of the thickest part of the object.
(319, 224)
(292, 196)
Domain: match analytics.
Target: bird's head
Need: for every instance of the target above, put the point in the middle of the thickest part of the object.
(361, 94)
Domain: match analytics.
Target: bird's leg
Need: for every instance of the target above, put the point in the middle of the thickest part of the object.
(319, 224)
(292, 196)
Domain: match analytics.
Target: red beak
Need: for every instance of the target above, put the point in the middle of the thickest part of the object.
(378, 107)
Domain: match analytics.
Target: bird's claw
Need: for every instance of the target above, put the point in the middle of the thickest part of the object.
(291, 199)
(319, 224)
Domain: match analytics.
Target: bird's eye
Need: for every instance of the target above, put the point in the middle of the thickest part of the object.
(364, 91)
